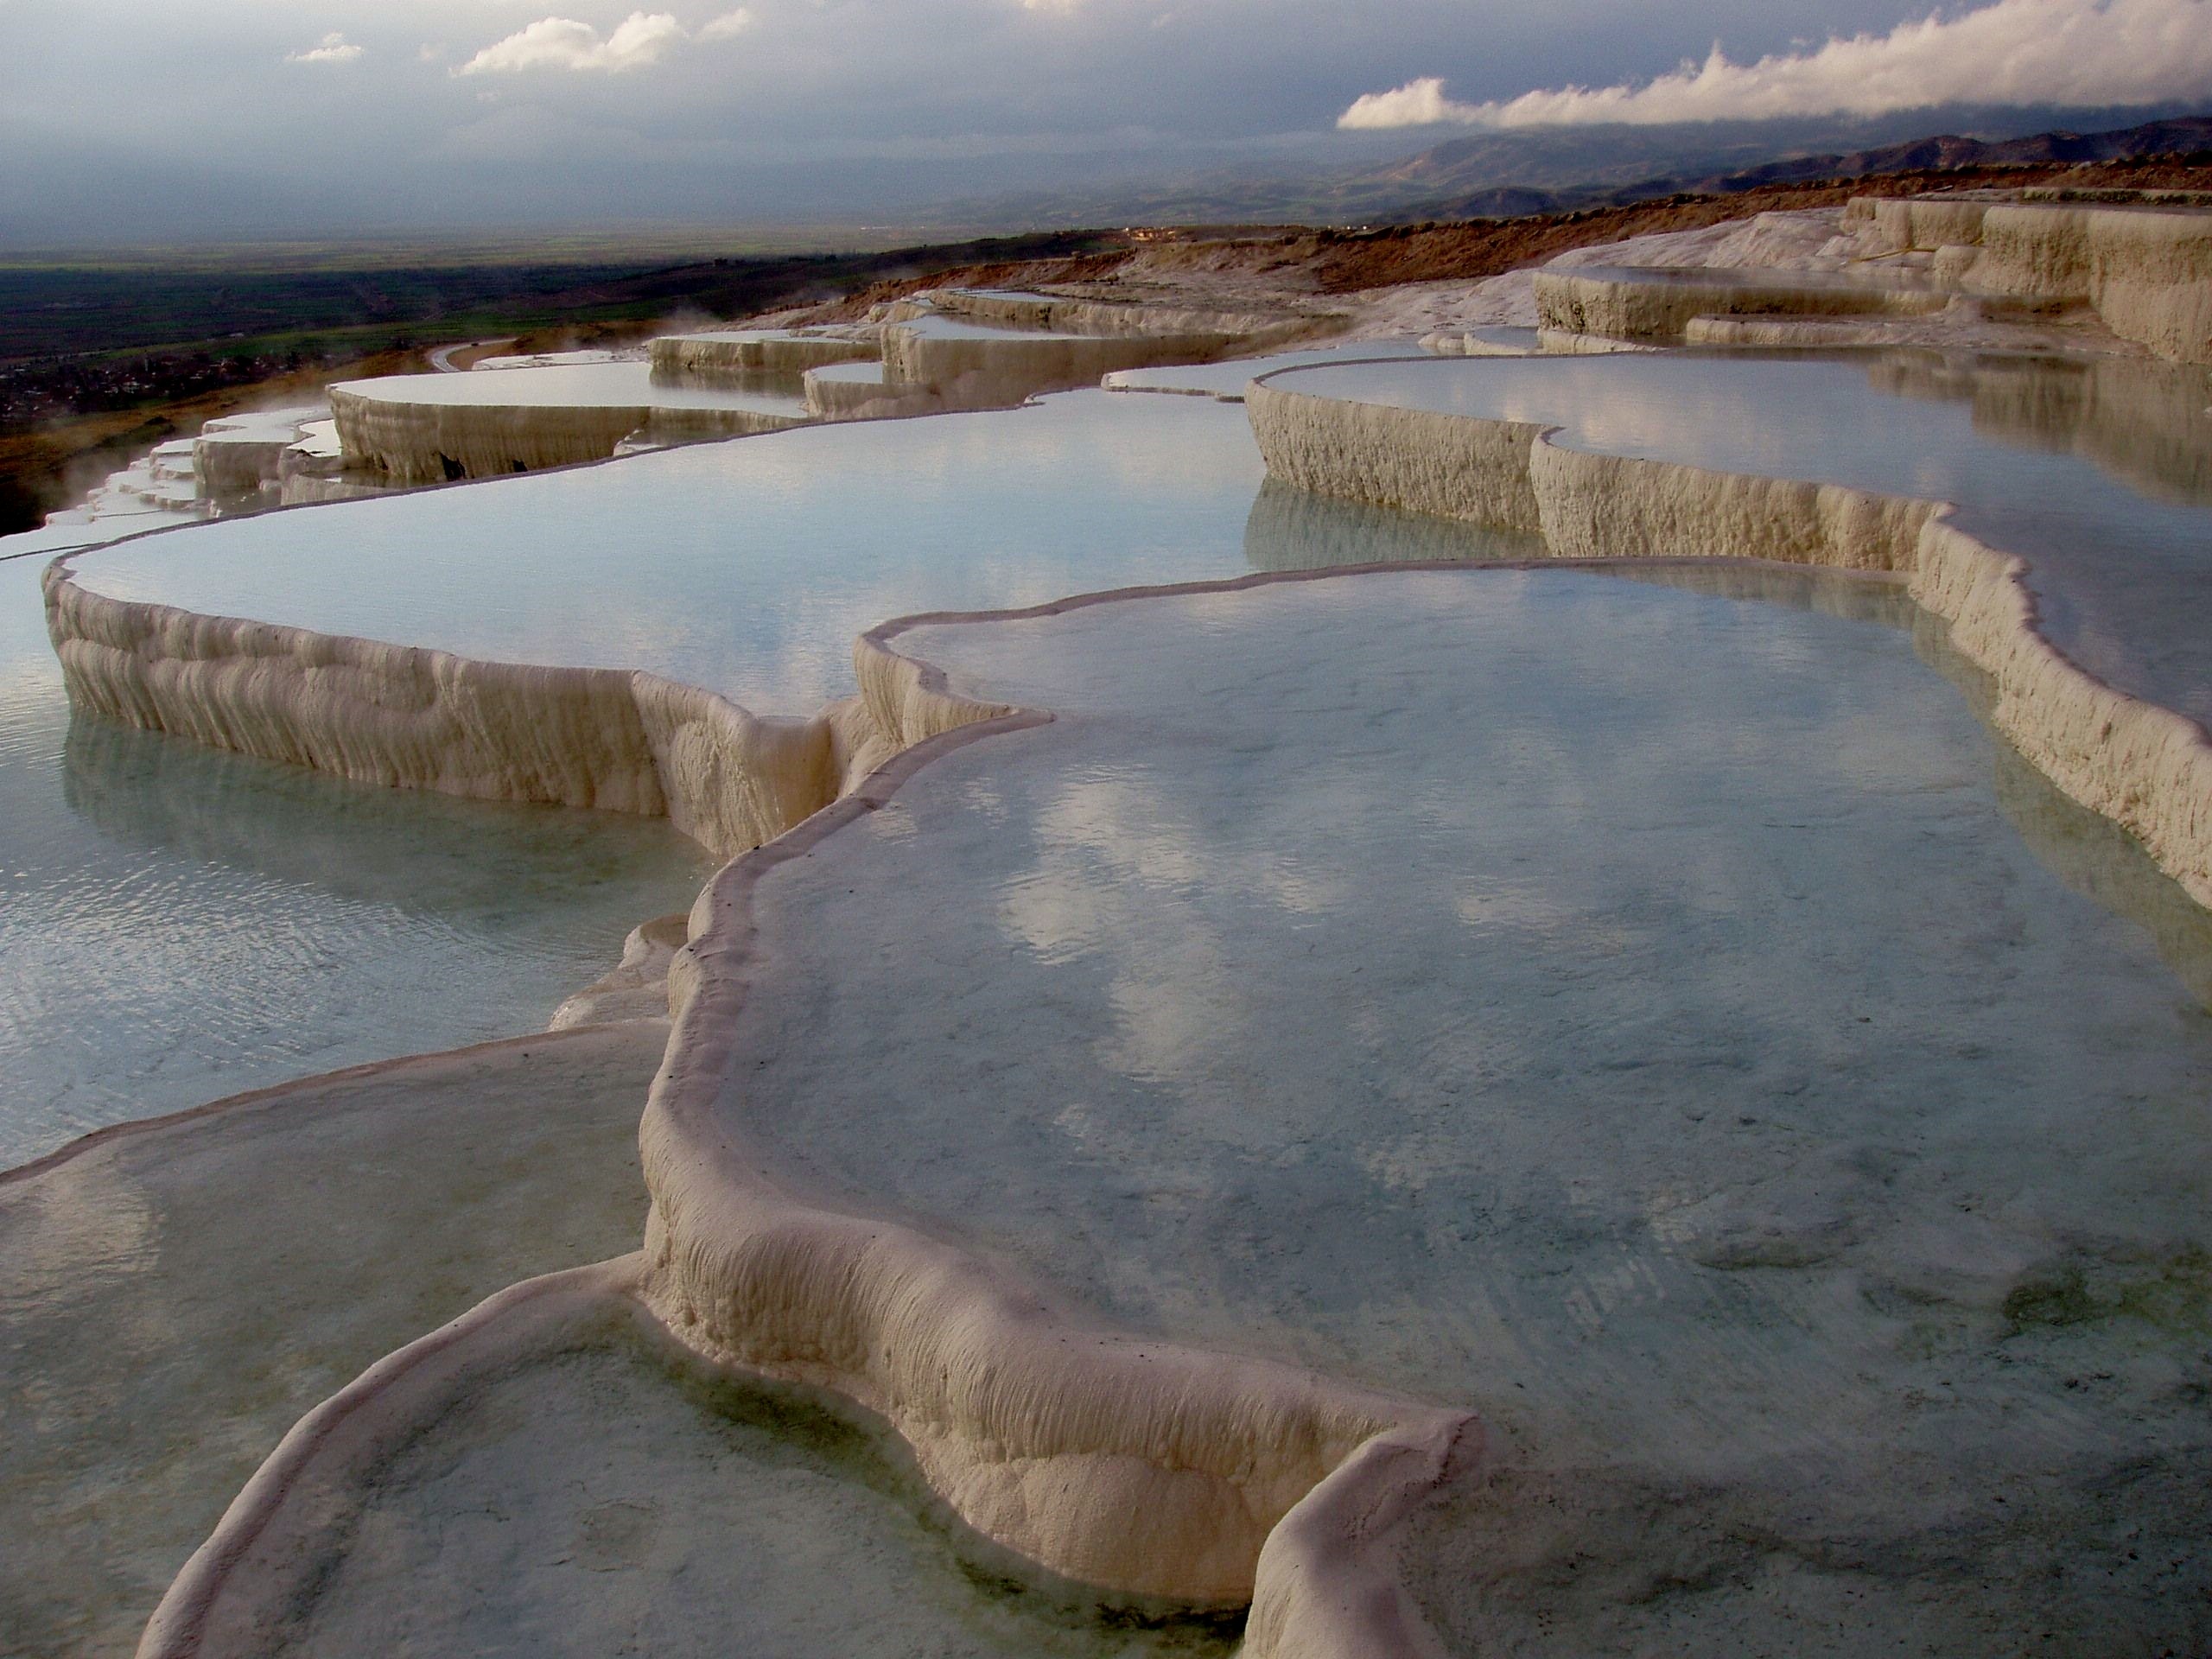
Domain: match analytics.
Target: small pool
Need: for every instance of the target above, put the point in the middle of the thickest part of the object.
(608, 1492)
(1227, 380)
(2098, 472)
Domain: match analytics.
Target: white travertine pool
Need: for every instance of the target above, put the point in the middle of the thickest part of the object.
(178, 924)
(1638, 1013)
(2098, 473)
(749, 568)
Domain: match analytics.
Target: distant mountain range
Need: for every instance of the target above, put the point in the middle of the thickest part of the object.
(1508, 174)
(1464, 162)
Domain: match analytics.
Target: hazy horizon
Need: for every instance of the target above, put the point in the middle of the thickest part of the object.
(245, 119)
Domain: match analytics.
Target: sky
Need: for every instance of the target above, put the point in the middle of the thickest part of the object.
(322, 117)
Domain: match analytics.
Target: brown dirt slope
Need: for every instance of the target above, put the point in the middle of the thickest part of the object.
(1346, 262)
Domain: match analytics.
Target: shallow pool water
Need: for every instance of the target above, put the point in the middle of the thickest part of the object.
(172, 1300)
(750, 567)
(177, 923)
(1627, 1010)
(1863, 278)
(2100, 473)
(1228, 379)
(607, 1494)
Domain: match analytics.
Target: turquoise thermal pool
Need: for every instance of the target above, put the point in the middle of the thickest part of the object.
(1658, 1018)
(177, 923)
(2098, 474)
(749, 568)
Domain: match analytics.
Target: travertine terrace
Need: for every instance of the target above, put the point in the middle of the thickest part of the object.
(1083, 1416)
(2143, 270)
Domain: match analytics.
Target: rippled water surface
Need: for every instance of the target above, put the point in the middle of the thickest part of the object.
(177, 924)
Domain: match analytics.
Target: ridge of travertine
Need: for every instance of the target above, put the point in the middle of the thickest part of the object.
(429, 442)
(1610, 305)
(408, 717)
(1074, 315)
(767, 354)
(2146, 767)
(2146, 270)
(1148, 1467)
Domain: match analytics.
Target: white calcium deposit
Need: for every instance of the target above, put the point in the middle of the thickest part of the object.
(1152, 1468)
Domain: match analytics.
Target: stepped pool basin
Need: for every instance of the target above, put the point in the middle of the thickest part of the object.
(2042, 456)
(569, 385)
(749, 568)
(172, 1297)
(590, 1486)
(1633, 1010)
(425, 429)
(179, 924)
(1641, 1006)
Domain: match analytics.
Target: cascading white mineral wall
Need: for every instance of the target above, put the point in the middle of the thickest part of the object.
(2144, 766)
(1251, 329)
(1475, 470)
(238, 466)
(971, 370)
(1900, 224)
(742, 355)
(1142, 1466)
(429, 442)
(2146, 272)
(414, 719)
(1627, 307)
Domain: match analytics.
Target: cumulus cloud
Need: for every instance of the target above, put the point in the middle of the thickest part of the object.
(2079, 53)
(730, 23)
(638, 40)
(333, 48)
